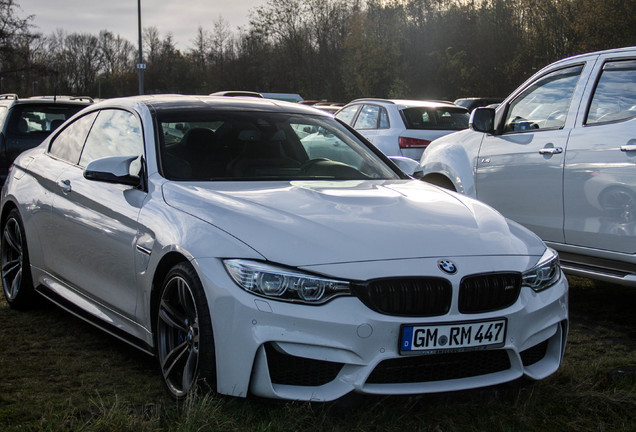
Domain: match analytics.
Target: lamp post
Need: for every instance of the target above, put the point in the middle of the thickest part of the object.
(140, 66)
(99, 86)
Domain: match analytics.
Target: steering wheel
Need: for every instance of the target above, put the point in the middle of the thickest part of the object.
(554, 116)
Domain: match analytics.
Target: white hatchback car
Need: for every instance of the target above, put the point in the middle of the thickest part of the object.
(558, 156)
(265, 248)
(403, 127)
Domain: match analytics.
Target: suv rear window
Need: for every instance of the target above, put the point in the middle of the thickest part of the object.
(39, 119)
(435, 118)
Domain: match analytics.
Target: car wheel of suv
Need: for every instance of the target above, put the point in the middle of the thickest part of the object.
(183, 339)
(441, 181)
(16, 269)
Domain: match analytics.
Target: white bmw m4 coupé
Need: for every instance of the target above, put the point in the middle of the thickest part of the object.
(262, 247)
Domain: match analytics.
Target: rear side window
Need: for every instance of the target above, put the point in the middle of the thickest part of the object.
(347, 114)
(615, 94)
(115, 133)
(435, 118)
(368, 117)
(68, 144)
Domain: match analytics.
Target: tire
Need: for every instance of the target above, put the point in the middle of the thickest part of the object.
(184, 341)
(17, 282)
(441, 181)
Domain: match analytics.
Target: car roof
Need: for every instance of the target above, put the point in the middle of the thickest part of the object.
(173, 102)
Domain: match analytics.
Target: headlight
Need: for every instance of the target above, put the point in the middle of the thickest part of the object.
(545, 274)
(283, 284)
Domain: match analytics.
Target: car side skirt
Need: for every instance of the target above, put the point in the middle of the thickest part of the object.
(102, 318)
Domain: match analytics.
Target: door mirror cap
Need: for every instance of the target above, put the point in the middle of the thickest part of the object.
(115, 169)
(482, 120)
(407, 165)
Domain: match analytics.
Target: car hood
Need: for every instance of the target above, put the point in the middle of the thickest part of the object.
(320, 222)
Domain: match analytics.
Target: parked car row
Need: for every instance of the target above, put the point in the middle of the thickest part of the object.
(559, 157)
(397, 127)
(256, 246)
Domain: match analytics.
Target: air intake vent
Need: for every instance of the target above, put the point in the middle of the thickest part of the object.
(535, 354)
(439, 367)
(299, 371)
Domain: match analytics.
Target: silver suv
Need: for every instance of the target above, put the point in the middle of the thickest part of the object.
(558, 156)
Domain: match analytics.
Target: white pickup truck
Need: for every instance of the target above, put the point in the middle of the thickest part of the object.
(558, 156)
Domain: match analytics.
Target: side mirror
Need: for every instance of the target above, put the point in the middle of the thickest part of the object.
(407, 166)
(482, 120)
(115, 169)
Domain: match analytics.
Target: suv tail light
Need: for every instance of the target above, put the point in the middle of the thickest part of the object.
(406, 142)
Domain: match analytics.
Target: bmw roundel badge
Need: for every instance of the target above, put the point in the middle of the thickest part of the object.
(447, 266)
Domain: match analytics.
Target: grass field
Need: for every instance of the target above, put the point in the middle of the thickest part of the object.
(58, 373)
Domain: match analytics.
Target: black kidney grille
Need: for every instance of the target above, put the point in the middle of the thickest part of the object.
(488, 292)
(439, 367)
(407, 297)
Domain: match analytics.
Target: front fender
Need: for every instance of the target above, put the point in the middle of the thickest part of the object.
(454, 156)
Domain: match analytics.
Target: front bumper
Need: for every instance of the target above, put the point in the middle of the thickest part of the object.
(320, 353)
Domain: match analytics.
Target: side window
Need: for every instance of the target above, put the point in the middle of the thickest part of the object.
(384, 119)
(543, 105)
(68, 144)
(368, 117)
(115, 133)
(347, 114)
(615, 94)
(3, 114)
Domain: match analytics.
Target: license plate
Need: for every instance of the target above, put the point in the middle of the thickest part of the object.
(439, 338)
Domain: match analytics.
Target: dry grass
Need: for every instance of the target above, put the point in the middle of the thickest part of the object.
(58, 373)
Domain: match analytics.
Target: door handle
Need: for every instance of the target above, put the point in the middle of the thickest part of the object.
(65, 186)
(551, 150)
(628, 147)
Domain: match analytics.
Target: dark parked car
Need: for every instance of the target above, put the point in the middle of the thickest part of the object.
(471, 103)
(25, 123)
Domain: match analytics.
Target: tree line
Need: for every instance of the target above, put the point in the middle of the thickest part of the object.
(324, 49)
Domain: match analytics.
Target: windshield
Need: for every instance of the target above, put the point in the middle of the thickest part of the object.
(209, 145)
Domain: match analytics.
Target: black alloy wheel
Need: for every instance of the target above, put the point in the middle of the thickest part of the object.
(183, 338)
(17, 283)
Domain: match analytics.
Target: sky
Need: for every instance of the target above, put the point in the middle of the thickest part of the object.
(182, 18)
